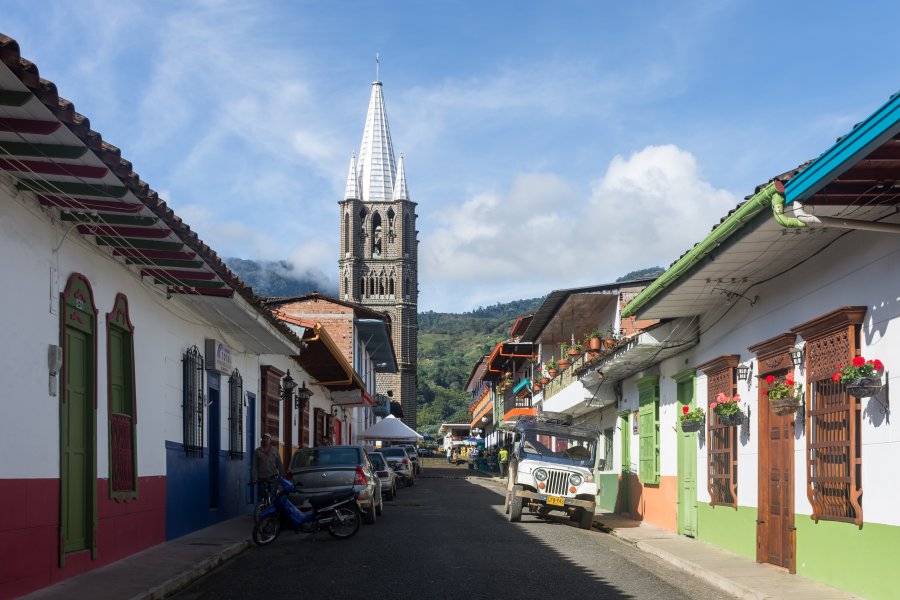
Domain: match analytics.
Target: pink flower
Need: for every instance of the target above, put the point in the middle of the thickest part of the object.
(721, 398)
(712, 405)
(736, 398)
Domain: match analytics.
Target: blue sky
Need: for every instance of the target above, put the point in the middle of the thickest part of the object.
(547, 144)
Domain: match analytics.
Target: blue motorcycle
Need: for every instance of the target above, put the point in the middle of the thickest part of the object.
(338, 512)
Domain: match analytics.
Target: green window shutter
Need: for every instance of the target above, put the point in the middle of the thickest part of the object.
(648, 429)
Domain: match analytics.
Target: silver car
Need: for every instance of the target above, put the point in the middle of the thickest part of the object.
(386, 474)
(326, 468)
(400, 462)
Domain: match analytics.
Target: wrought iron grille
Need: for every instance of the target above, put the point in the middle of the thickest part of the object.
(193, 401)
(236, 415)
(122, 451)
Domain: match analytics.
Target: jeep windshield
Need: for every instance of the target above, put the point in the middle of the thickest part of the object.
(561, 449)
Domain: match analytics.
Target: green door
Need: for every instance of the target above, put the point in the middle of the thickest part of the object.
(687, 460)
(78, 467)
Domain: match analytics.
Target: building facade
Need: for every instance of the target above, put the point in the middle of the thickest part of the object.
(378, 264)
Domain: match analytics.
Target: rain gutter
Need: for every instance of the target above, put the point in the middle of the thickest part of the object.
(744, 213)
(803, 219)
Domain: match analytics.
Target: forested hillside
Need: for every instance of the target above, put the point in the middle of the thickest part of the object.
(449, 345)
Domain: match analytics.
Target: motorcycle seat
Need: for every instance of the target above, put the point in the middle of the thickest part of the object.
(320, 500)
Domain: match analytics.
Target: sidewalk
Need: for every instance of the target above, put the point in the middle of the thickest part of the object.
(161, 570)
(729, 572)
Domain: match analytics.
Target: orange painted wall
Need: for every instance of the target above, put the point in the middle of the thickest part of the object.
(655, 504)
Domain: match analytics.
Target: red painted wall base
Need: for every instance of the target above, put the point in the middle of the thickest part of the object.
(29, 528)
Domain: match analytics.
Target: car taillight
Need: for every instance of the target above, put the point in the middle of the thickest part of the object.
(360, 478)
(382, 473)
(405, 462)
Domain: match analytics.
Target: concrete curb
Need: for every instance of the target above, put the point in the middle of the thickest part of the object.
(184, 579)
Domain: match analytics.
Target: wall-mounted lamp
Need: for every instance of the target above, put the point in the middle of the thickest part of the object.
(287, 386)
(744, 372)
(302, 396)
(797, 356)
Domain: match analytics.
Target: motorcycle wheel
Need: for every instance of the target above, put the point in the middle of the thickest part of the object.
(260, 506)
(266, 530)
(346, 523)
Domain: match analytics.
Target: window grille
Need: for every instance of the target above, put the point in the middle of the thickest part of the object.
(120, 370)
(833, 441)
(193, 401)
(722, 474)
(236, 415)
(648, 429)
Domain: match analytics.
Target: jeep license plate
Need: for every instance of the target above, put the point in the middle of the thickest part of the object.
(556, 500)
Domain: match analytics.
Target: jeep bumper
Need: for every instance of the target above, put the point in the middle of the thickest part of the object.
(542, 498)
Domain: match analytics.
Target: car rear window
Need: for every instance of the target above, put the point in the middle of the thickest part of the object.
(377, 462)
(320, 457)
(395, 452)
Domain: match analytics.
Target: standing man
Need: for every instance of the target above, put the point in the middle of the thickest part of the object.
(504, 462)
(266, 465)
(449, 453)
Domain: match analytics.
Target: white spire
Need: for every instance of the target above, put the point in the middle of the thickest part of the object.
(400, 192)
(352, 192)
(376, 154)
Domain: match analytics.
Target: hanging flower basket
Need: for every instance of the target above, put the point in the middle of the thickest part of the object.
(863, 387)
(692, 426)
(784, 406)
(732, 419)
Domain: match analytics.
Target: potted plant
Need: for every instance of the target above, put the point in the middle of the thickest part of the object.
(783, 394)
(728, 409)
(545, 380)
(536, 385)
(692, 419)
(563, 363)
(862, 377)
(594, 340)
(610, 337)
(552, 368)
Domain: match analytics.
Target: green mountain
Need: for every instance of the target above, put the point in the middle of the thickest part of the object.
(449, 346)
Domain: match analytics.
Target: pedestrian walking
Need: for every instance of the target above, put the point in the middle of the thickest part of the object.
(449, 454)
(504, 462)
(265, 466)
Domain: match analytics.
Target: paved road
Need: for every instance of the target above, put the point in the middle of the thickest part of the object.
(447, 537)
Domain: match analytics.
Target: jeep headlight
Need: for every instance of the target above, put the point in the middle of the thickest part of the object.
(576, 479)
(540, 475)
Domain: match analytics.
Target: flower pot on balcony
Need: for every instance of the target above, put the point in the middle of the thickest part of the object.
(608, 343)
(864, 387)
(563, 364)
(573, 352)
(784, 406)
(545, 380)
(596, 344)
(536, 387)
(552, 373)
(589, 356)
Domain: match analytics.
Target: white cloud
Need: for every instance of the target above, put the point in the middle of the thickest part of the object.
(645, 211)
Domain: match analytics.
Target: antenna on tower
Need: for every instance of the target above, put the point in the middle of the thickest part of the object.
(377, 68)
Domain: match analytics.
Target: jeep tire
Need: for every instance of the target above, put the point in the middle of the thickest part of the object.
(586, 518)
(515, 505)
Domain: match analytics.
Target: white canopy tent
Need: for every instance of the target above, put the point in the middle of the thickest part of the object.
(390, 429)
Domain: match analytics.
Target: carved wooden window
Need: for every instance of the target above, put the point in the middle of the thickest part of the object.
(122, 410)
(270, 380)
(236, 415)
(304, 426)
(722, 475)
(193, 401)
(833, 445)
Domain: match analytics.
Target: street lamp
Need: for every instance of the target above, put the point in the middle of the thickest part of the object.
(797, 356)
(287, 386)
(303, 396)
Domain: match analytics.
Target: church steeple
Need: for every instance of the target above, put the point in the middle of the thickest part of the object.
(352, 192)
(376, 155)
(400, 192)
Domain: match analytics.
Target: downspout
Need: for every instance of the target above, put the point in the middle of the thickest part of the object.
(747, 211)
(802, 219)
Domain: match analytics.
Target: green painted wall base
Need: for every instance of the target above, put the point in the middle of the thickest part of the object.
(609, 490)
(733, 530)
(862, 561)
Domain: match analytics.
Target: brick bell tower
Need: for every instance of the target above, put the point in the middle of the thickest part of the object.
(379, 249)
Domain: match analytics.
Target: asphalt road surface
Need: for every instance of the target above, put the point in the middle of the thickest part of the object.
(448, 537)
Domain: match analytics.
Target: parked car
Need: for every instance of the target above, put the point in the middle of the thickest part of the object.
(414, 457)
(400, 462)
(327, 468)
(386, 474)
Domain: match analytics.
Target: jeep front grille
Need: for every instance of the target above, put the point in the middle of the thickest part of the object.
(557, 482)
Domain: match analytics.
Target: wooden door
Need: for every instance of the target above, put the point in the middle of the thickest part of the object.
(625, 484)
(215, 435)
(776, 511)
(687, 466)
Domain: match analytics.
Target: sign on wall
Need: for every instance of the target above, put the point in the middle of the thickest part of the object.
(218, 357)
(634, 423)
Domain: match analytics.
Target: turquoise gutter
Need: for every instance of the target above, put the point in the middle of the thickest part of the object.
(745, 212)
(879, 127)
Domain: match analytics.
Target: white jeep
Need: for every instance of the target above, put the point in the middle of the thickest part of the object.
(552, 468)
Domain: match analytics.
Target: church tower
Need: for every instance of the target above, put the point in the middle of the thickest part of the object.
(379, 250)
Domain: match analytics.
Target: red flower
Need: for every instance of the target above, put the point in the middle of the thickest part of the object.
(684, 410)
(765, 392)
(879, 366)
(836, 377)
(789, 380)
(770, 379)
(858, 361)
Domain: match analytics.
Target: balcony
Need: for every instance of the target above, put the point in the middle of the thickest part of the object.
(482, 407)
(514, 406)
(564, 379)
